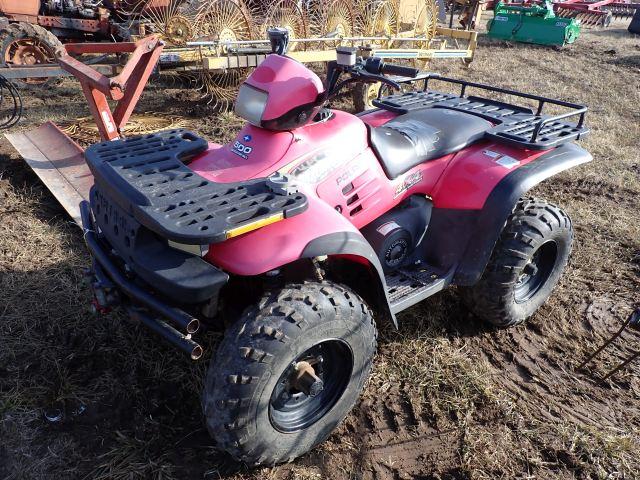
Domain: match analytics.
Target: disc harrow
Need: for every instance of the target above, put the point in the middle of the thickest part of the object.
(595, 14)
(621, 10)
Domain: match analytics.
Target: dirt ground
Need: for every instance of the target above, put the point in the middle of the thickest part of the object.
(449, 397)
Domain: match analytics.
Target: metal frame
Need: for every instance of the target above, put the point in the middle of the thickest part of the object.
(221, 56)
(125, 88)
(52, 70)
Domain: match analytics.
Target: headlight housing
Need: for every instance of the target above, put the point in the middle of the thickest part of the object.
(251, 103)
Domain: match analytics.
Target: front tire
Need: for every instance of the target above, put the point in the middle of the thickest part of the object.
(288, 372)
(525, 266)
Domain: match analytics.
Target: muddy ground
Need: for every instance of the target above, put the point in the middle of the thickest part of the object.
(449, 397)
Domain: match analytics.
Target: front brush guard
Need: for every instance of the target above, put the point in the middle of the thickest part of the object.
(105, 266)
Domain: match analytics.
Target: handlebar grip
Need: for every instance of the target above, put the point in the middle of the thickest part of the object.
(390, 69)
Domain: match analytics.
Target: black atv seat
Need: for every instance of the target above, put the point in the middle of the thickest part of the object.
(422, 135)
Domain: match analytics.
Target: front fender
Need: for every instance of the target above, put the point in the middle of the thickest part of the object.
(319, 231)
(286, 241)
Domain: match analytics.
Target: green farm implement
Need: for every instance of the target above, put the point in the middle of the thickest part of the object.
(534, 23)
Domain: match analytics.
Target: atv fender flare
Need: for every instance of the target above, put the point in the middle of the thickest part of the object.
(501, 202)
(352, 243)
(317, 232)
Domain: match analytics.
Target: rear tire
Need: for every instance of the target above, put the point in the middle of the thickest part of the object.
(253, 406)
(525, 266)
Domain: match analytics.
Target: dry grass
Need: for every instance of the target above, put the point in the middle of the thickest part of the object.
(464, 401)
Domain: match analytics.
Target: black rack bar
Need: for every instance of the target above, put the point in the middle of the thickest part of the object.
(579, 109)
(513, 124)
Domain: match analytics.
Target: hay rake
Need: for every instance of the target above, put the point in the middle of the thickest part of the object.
(213, 44)
(84, 130)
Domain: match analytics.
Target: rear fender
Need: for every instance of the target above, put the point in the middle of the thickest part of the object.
(472, 246)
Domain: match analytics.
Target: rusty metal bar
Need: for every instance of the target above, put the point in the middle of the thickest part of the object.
(53, 70)
(126, 87)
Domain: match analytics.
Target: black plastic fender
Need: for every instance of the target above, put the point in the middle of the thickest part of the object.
(352, 243)
(491, 219)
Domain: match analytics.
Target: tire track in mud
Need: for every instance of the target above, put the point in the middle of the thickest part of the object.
(537, 370)
(394, 441)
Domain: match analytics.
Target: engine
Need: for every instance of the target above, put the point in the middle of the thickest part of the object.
(73, 8)
(396, 235)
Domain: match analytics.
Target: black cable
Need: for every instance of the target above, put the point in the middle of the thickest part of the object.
(8, 89)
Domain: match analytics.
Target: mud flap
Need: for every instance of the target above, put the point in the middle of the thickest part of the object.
(59, 162)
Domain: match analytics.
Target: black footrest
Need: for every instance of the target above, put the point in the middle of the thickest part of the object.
(146, 177)
(408, 286)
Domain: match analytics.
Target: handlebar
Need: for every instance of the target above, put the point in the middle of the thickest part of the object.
(367, 70)
(390, 69)
(377, 66)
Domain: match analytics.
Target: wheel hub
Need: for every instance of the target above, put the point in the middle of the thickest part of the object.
(24, 52)
(227, 35)
(29, 51)
(310, 386)
(306, 380)
(536, 272)
(178, 30)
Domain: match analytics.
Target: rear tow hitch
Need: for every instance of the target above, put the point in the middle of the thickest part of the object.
(105, 295)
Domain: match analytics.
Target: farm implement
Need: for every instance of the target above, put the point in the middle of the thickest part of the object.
(595, 14)
(598, 13)
(212, 45)
(311, 226)
(533, 23)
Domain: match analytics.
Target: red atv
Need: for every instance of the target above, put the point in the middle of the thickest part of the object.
(313, 224)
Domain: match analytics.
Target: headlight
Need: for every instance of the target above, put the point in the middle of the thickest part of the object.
(251, 103)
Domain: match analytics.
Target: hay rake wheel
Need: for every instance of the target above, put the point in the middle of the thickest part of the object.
(219, 89)
(173, 22)
(331, 19)
(340, 19)
(380, 18)
(221, 20)
(85, 130)
(290, 15)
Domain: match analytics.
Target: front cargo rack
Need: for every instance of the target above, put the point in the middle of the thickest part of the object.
(515, 125)
(146, 178)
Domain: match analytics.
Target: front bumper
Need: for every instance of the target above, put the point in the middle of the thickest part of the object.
(142, 305)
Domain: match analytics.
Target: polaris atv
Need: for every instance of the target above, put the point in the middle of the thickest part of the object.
(314, 224)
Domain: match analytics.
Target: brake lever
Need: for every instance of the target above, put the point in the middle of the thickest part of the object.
(372, 78)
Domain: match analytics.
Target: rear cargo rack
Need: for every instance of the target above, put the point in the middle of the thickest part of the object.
(515, 125)
(145, 177)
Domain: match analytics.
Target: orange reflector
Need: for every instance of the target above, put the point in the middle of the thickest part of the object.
(234, 232)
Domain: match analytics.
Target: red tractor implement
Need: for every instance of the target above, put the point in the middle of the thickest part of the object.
(58, 160)
(595, 14)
